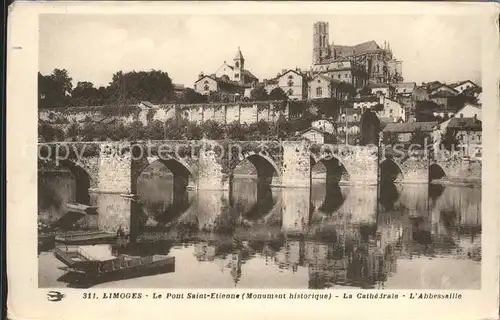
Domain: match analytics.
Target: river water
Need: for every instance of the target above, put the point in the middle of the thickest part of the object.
(391, 237)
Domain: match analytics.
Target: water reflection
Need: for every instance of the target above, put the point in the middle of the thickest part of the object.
(323, 237)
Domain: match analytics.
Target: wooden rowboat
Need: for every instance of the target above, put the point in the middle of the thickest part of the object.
(77, 261)
(86, 237)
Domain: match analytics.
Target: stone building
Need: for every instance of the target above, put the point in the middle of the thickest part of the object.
(228, 78)
(292, 82)
(314, 135)
(392, 109)
(464, 85)
(469, 135)
(321, 86)
(404, 131)
(376, 64)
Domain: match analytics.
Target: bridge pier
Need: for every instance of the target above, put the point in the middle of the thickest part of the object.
(296, 165)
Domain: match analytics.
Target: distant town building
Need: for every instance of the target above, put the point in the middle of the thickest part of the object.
(349, 120)
(293, 83)
(375, 63)
(463, 85)
(392, 109)
(314, 135)
(469, 135)
(366, 102)
(469, 111)
(323, 125)
(228, 78)
(322, 86)
(405, 95)
(404, 131)
(382, 89)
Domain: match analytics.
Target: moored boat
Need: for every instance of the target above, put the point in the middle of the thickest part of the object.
(77, 261)
(86, 237)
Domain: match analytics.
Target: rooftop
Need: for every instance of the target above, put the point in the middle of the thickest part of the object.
(410, 127)
(465, 123)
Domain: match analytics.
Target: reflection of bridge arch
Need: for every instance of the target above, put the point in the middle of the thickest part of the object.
(182, 174)
(436, 172)
(390, 171)
(335, 168)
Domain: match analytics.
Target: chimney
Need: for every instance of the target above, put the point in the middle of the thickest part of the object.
(201, 75)
(213, 75)
(462, 116)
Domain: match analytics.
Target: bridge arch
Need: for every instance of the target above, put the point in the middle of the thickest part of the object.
(335, 168)
(390, 171)
(267, 169)
(84, 180)
(436, 172)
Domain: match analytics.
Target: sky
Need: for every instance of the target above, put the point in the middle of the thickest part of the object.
(93, 47)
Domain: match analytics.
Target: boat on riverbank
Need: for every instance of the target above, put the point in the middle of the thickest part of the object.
(85, 237)
(83, 269)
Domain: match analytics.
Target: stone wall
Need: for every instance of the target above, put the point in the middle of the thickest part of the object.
(360, 162)
(414, 170)
(457, 170)
(244, 112)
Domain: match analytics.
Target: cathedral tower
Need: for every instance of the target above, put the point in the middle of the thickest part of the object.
(239, 66)
(320, 41)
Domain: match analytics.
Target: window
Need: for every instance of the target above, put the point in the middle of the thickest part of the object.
(339, 76)
(237, 64)
(472, 138)
(236, 75)
(290, 83)
(206, 82)
(319, 91)
(346, 75)
(478, 138)
(319, 81)
(207, 88)
(390, 111)
(290, 92)
(290, 77)
(195, 87)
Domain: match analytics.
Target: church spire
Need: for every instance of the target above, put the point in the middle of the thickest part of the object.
(239, 55)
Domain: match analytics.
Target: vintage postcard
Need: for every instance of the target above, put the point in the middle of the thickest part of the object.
(225, 160)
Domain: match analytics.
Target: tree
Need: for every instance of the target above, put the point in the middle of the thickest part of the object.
(84, 94)
(424, 110)
(54, 90)
(132, 87)
(259, 94)
(213, 130)
(155, 130)
(370, 128)
(194, 131)
(418, 137)
(191, 96)
(365, 91)
(236, 131)
(278, 94)
(390, 139)
(449, 139)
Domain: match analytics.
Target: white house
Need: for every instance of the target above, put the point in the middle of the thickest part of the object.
(313, 135)
(323, 125)
(462, 86)
(392, 109)
(469, 111)
(292, 82)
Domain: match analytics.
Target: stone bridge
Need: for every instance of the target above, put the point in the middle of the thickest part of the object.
(113, 168)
